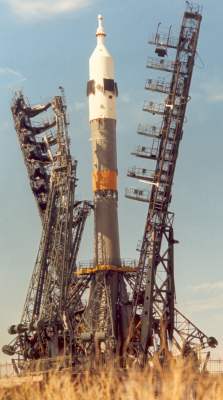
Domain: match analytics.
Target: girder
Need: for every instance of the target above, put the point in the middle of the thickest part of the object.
(154, 291)
(54, 296)
(109, 309)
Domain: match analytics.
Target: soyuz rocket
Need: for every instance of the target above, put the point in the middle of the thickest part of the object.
(102, 91)
(106, 313)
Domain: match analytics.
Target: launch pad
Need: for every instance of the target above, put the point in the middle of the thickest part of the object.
(130, 315)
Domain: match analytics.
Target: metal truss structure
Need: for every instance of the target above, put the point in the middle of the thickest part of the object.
(115, 324)
(161, 325)
(54, 294)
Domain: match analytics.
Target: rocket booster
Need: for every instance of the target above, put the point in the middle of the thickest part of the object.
(102, 92)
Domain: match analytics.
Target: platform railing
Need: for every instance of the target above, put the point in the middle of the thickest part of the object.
(7, 370)
(164, 39)
(23, 368)
(91, 263)
(215, 366)
(60, 364)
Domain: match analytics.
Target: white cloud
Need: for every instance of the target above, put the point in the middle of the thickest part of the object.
(208, 286)
(207, 296)
(216, 97)
(207, 304)
(10, 77)
(44, 8)
(9, 71)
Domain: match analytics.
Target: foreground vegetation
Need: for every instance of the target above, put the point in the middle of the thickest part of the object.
(179, 381)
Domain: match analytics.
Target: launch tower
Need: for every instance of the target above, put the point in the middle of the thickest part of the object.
(108, 310)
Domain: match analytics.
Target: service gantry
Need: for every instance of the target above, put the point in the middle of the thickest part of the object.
(108, 309)
(159, 323)
(53, 297)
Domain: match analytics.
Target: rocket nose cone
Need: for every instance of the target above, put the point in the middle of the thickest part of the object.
(100, 30)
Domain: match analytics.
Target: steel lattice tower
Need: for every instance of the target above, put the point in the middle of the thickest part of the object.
(53, 296)
(108, 309)
(154, 288)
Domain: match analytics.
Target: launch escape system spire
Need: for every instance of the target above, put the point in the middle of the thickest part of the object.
(109, 310)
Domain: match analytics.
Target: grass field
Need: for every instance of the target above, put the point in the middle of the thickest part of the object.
(177, 382)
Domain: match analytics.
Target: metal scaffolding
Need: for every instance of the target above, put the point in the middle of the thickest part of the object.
(161, 325)
(96, 313)
(54, 294)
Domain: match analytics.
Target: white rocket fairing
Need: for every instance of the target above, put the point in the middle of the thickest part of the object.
(102, 88)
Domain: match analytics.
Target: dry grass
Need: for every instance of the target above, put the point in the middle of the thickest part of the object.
(177, 382)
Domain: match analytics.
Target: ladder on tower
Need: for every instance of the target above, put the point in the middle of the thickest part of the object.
(154, 292)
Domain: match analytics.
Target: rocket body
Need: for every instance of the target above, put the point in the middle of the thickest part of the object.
(106, 314)
(102, 92)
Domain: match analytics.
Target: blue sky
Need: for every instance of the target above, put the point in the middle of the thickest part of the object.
(47, 43)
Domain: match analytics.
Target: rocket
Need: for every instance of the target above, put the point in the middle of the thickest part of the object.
(102, 91)
(106, 314)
